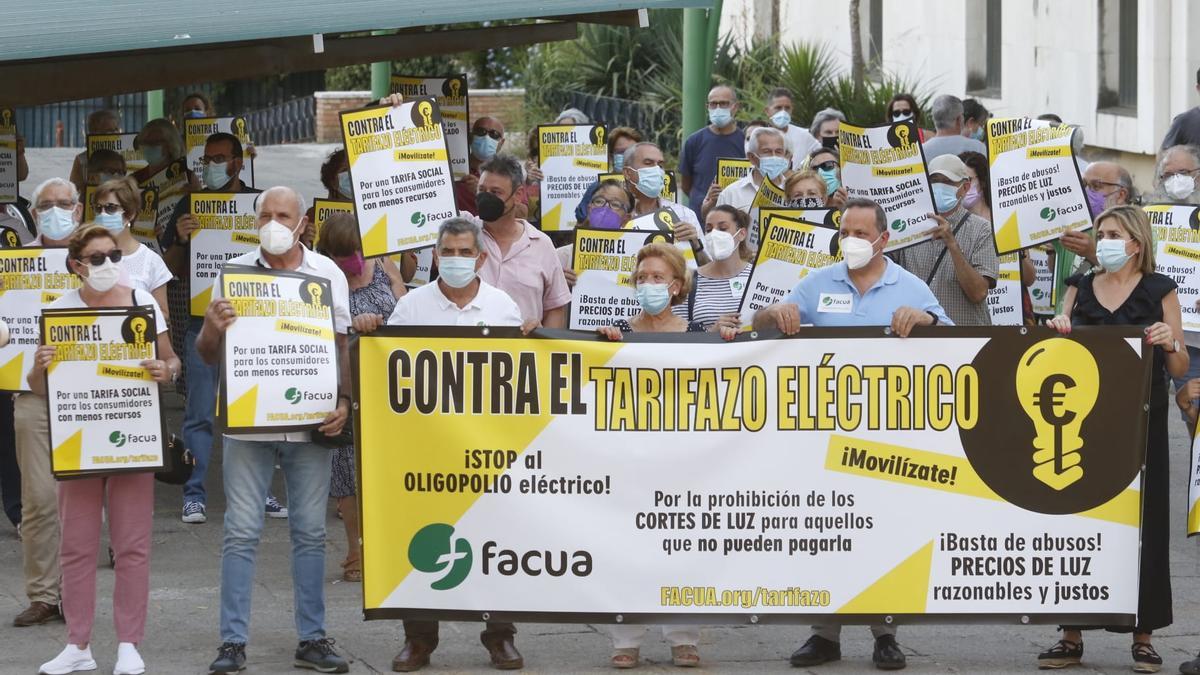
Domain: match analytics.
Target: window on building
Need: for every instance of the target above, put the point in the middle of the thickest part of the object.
(1118, 41)
(983, 48)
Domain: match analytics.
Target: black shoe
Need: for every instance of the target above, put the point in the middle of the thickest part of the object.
(816, 651)
(231, 658)
(1145, 659)
(1190, 667)
(318, 655)
(887, 654)
(1064, 653)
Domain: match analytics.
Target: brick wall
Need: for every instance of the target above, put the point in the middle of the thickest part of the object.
(508, 105)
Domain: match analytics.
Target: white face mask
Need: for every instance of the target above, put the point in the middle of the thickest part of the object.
(276, 238)
(858, 252)
(1180, 186)
(101, 278)
(719, 244)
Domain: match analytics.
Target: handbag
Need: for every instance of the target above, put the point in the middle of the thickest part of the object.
(178, 463)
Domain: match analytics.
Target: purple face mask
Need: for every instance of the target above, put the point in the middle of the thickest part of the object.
(351, 264)
(1096, 201)
(604, 218)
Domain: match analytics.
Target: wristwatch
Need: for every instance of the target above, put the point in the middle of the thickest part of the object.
(1174, 346)
(932, 316)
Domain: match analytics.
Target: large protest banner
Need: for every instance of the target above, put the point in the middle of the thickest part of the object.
(730, 170)
(30, 279)
(570, 156)
(1037, 193)
(451, 94)
(122, 144)
(1004, 301)
(228, 228)
(604, 261)
(887, 165)
(105, 409)
(196, 131)
(1043, 293)
(1015, 456)
(8, 156)
(279, 368)
(400, 172)
(791, 248)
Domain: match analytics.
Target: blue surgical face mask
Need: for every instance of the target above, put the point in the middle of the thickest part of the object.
(650, 181)
(484, 147)
(618, 162)
(154, 154)
(720, 117)
(653, 298)
(781, 119)
(195, 114)
(945, 197)
(216, 176)
(56, 223)
(977, 134)
(113, 222)
(344, 187)
(772, 166)
(456, 271)
(1111, 255)
(832, 182)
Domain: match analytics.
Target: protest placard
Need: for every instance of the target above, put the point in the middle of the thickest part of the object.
(791, 249)
(664, 220)
(730, 170)
(769, 196)
(279, 367)
(32, 278)
(570, 156)
(400, 173)
(1004, 301)
(424, 270)
(1042, 293)
(604, 261)
(452, 96)
(143, 226)
(197, 130)
(105, 410)
(122, 144)
(8, 156)
(227, 228)
(1174, 222)
(322, 209)
(170, 185)
(1037, 192)
(887, 165)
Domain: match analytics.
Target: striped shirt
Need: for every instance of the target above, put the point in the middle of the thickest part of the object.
(714, 298)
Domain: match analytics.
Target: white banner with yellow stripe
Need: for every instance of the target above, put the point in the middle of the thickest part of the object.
(841, 475)
(30, 279)
(279, 366)
(571, 157)
(400, 174)
(105, 409)
(228, 228)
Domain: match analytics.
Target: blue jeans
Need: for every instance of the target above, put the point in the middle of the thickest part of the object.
(1192, 373)
(198, 413)
(247, 469)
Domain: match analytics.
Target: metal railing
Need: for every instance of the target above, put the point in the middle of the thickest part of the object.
(292, 121)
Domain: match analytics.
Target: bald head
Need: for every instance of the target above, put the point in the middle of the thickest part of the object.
(282, 204)
(1110, 178)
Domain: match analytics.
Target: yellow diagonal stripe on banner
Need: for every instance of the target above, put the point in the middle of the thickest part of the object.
(950, 474)
(375, 239)
(1193, 523)
(903, 590)
(68, 456)
(243, 410)
(201, 301)
(551, 220)
(396, 447)
(1008, 237)
(10, 373)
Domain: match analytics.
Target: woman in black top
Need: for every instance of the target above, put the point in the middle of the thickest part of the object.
(1130, 293)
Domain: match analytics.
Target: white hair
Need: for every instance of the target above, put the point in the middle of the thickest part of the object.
(823, 117)
(770, 131)
(50, 182)
(300, 207)
(572, 113)
(1190, 150)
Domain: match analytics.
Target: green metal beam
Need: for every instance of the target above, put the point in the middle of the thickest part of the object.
(714, 31)
(695, 84)
(154, 104)
(381, 75)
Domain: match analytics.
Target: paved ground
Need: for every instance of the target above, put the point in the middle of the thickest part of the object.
(182, 633)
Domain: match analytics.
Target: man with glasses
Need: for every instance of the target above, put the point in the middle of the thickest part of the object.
(701, 150)
(1176, 182)
(644, 177)
(487, 138)
(221, 171)
(1106, 184)
(771, 155)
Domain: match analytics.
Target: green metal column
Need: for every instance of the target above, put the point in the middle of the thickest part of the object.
(154, 104)
(714, 30)
(696, 65)
(381, 76)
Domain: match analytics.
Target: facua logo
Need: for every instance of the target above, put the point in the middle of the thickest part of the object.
(293, 395)
(418, 219)
(1048, 214)
(899, 225)
(117, 438)
(432, 550)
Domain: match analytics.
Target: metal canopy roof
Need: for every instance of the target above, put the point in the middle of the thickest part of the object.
(58, 50)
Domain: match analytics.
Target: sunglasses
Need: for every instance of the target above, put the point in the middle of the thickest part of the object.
(828, 165)
(900, 113)
(97, 259)
(110, 209)
(494, 133)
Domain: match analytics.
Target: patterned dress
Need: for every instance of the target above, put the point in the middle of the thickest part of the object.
(374, 298)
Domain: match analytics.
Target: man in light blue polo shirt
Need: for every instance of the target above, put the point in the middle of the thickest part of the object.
(865, 289)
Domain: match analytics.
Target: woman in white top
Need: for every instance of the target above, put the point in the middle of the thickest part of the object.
(719, 286)
(117, 203)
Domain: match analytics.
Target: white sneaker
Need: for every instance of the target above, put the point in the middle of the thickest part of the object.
(71, 659)
(129, 662)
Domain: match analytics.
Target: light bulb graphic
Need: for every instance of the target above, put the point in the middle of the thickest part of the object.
(1057, 384)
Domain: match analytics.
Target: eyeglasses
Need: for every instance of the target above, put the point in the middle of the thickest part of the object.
(612, 204)
(64, 204)
(1191, 173)
(110, 209)
(1098, 185)
(779, 152)
(495, 134)
(720, 104)
(97, 259)
(215, 159)
(828, 165)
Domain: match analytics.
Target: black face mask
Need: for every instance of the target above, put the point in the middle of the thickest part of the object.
(829, 142)
(490, 207)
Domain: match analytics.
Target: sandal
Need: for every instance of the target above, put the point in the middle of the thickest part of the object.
(352, 569)
(624, 658)
(1064, 653)
(685, 656)
(1145, 659)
